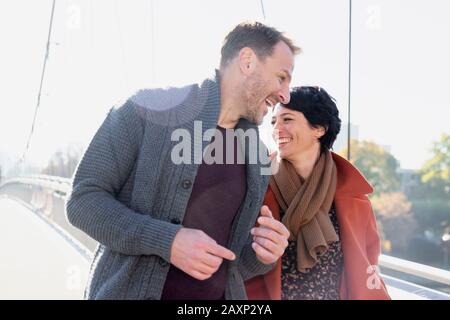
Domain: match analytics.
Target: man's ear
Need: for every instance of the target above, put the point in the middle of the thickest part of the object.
(247, 60)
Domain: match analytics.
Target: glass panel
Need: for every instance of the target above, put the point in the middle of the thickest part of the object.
(400, 110)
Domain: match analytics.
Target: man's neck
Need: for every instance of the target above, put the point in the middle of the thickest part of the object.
(229, 105)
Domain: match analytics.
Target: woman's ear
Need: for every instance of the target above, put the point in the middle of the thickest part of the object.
(320, 131)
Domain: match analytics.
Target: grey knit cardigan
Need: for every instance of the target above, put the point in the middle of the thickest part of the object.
(129, 196)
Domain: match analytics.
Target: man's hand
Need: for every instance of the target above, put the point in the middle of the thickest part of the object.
(270, 237)
(197, 254)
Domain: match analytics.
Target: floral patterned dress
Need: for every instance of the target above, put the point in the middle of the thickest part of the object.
(321, 282)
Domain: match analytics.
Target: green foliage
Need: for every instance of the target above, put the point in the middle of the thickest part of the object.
(377, 165)
(432, 215)
(435, 173)
(395, 221)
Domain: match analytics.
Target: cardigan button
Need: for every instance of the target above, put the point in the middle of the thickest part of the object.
(175, 221)
(163, 263)
(186, 184)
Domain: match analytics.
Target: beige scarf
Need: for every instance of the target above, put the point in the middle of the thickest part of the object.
(307, 205)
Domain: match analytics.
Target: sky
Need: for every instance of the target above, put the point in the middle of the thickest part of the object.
(103, 50)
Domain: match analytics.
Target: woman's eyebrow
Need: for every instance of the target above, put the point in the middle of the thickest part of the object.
(286, 113)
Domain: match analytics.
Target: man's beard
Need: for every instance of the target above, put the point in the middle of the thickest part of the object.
(252, 97)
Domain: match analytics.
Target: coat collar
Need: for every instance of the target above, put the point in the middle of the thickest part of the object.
(350, 180)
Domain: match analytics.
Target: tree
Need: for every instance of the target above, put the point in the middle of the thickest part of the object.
(435, 173)
(377, 165)
(397, 223)
(391, 205)
(432, 215)
(64, 161)
(431, 199)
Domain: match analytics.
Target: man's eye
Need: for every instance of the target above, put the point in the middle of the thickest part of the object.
(286, 119)
(272, 123)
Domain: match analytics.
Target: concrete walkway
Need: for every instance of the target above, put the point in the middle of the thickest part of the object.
(36, 260)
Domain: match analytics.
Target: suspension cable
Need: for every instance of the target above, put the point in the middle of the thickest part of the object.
(349, 76)
(38, 103)
(262, 9)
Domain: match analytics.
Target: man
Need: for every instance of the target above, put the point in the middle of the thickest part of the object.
(172, 229)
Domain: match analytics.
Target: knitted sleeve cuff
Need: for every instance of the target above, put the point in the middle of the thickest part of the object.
(157, 237)
(249, 264)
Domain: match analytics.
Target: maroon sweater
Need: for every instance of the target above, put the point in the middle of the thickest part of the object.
(218, 191)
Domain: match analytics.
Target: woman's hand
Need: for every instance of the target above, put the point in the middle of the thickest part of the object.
(270, 238)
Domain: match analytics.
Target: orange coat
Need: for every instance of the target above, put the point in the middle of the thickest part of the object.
(359, 239)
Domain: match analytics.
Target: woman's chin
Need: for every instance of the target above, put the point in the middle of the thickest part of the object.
(283, 155)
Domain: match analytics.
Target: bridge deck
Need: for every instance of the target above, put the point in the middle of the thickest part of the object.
(36, 261)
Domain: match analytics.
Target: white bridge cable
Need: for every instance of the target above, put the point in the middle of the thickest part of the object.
(262, 9)
(349, 77)
(47, 50)
(152, 21)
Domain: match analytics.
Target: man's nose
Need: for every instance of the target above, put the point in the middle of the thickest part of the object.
(284, 95)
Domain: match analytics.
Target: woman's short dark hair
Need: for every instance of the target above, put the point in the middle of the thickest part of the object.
(319, 109)
(255, 35)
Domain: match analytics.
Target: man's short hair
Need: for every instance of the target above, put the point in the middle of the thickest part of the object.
(255, 35)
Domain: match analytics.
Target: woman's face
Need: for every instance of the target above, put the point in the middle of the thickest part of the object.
(293, 134)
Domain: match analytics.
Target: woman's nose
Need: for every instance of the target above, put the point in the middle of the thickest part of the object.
(275, 132)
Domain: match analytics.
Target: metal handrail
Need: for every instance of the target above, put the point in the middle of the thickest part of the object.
(60, 184)
(415, 269)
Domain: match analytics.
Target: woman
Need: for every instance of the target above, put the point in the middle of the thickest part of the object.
(322, 199)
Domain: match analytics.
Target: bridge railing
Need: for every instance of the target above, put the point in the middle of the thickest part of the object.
(46, 195)
(415, 269)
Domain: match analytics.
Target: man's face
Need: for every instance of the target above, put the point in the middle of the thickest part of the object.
(268, 84)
